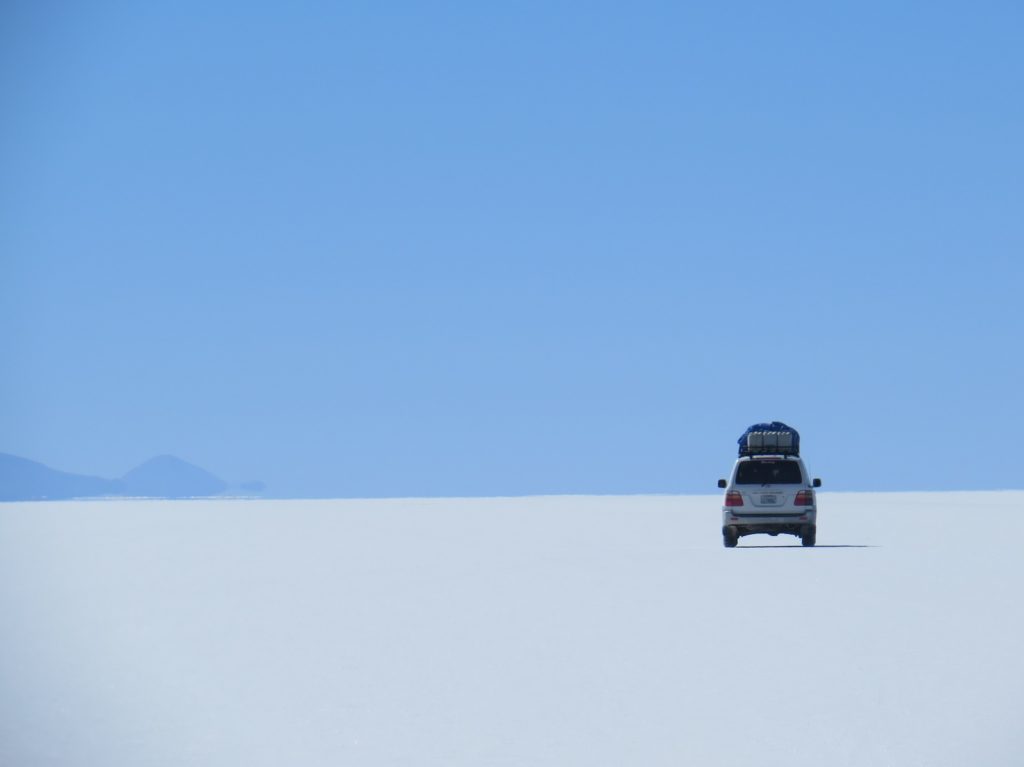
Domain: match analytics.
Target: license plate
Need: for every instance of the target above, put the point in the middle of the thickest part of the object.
(769, 499)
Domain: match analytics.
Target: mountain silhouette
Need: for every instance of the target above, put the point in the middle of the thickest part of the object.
(162, 477)
(168, 477)
(25, 480)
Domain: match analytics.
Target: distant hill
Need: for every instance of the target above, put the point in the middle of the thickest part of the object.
(168, 477)
(25, 480)
(162, 477)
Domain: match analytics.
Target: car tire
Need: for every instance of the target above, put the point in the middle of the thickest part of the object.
(808, 535)
(730, 537)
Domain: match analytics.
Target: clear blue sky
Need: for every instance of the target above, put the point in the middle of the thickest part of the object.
(464, 248)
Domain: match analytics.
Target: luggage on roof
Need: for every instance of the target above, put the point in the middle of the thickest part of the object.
(775, 438)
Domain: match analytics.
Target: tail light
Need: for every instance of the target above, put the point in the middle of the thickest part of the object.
(733, 498)
(804, 498)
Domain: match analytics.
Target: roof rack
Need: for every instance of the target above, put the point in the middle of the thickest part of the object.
(770, 443)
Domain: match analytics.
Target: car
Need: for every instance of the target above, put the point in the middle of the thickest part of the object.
(769, 489)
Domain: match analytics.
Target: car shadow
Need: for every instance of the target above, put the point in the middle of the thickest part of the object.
(816, 546)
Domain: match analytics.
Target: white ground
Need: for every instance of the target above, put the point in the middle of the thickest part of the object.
(538, 631)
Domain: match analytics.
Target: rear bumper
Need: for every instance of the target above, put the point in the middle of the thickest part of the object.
(790, 522)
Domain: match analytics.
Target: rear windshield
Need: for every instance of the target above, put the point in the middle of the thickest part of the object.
(769, 473)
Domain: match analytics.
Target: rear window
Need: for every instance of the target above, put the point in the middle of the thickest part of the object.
(769, 473)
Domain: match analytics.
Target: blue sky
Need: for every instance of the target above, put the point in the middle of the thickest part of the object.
(370, 249)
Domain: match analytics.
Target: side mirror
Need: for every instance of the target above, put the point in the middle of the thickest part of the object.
(816, 482)
(723, 484)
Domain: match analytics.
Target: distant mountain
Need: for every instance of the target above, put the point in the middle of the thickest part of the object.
(168, 477)
(25, 480)
(162, 477)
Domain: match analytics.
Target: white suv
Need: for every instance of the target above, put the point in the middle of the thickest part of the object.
(769, 492)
